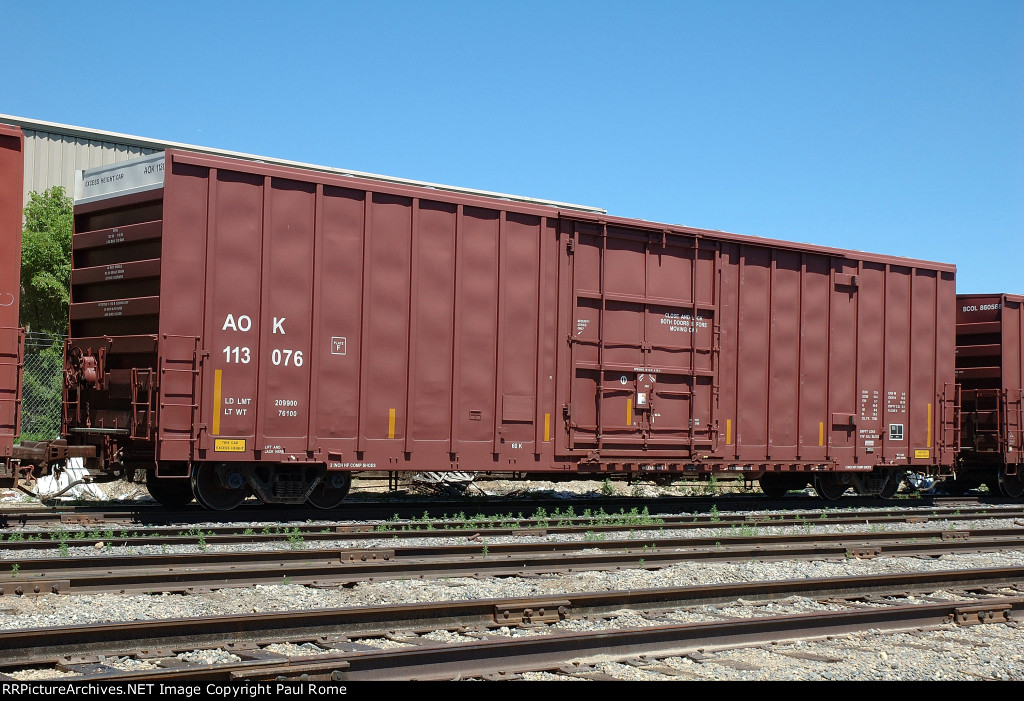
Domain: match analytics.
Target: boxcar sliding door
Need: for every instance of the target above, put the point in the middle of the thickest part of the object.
(642, 342)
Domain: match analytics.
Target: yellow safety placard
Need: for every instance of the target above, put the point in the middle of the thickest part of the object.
(229, 445)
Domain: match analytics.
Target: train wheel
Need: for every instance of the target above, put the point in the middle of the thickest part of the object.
(216, 493)
(891, 486)
(772, 487)
(331, 491)
(1011, 485)
(169, 492)
(829, 487)
(775, 486)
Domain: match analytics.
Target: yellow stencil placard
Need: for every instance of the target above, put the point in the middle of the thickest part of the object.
(216, 401)
(229, 445)
(929, 427)
(922, 454)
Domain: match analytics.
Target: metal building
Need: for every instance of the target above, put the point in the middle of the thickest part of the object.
(53, 152)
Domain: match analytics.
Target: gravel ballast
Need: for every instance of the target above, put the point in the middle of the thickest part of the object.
(951, 653)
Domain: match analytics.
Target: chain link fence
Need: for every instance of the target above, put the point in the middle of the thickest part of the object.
(41, 398)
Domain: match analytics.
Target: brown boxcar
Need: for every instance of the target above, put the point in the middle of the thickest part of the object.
(272, 329)
(12, 169)
(990, 371)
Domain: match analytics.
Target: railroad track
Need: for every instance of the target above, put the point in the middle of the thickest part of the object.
(116, 513)
(341, 637)
(326, 555)
(80, 534)
(333, 566)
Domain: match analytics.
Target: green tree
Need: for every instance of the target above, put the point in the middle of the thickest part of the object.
(46, 261)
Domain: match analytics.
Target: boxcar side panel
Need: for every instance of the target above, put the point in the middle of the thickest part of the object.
(286, 323)
(550, 428)
(183, 277)
(337, 330)
(752, 337)
(815, 292)
(12, 170)
(433, 302)
(945, 420)
(385, 324)
(477, 336)
(872, 353)
(897, 429)
(843, 393)
(924, 389)
(784, 357)
(728, 321)
(232, 329)
(519, 327)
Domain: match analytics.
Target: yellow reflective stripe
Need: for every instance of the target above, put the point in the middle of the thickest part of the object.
(929, 425)
(391, 423)
(728, 431)
(629, 411)
(821, 433)
(216, 401)
(547, 427)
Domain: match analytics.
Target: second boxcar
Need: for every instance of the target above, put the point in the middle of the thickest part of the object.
(990, 372)
(244, 328)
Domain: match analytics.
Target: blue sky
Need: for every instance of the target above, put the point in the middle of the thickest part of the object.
(894, 127)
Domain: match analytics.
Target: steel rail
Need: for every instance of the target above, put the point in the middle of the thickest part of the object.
(339, 626)
(550, 652)
(299, 537)
(185, 571)
(506, 658)
(410, 509)
(31, 539)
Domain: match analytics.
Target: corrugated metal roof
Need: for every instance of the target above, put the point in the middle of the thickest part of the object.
(52, 158)
(53, 152)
